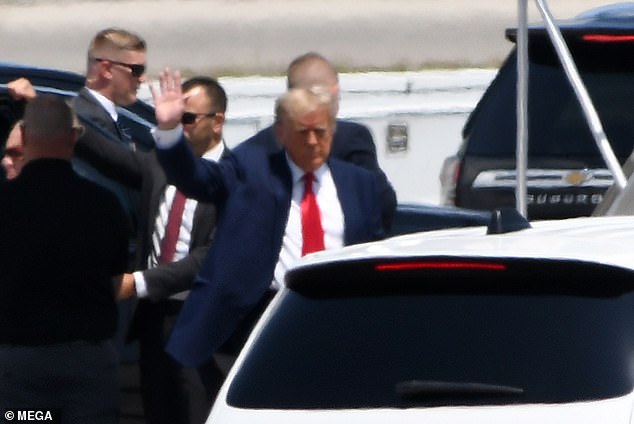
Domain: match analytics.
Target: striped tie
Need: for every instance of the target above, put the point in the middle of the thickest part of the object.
(168, 243)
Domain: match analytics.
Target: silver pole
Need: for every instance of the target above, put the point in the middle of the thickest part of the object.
(521, 150)
(582, 95)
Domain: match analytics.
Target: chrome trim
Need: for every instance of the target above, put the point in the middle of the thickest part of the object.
(546, 178)
(564, 199)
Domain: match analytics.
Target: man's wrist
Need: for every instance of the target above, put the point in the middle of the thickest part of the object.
(166, 139)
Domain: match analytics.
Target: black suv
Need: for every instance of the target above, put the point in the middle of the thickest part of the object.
(566, 173)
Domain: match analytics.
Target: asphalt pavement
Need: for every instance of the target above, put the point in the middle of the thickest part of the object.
(229, 37)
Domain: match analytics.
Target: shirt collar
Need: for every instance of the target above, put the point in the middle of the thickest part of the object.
(106, 103)
(297, 173)
(215, 153)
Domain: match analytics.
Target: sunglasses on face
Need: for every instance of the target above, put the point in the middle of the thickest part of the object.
(135, 70)
(190, 117)
(14, 152)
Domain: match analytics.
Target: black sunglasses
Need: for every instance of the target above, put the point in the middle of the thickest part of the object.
(135, 70)
(190, 117)
(14, 152)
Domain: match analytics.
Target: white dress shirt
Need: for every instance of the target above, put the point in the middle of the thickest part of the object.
(106, 103)
(184, 234)
(331, 219)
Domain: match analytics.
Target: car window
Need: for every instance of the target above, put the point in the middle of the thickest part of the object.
(557, 127)
(530, 331)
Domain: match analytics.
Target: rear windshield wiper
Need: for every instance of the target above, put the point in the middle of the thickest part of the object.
(417, 389)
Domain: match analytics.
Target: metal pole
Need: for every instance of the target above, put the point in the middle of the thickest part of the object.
(521, 151)
(582, 95)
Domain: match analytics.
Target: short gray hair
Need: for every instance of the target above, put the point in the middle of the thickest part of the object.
(113, 40)
(300, 101)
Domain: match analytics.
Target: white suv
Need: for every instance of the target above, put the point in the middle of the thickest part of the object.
(462, 326)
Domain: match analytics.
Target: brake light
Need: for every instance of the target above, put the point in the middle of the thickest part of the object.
(608, 38)
(405, 266)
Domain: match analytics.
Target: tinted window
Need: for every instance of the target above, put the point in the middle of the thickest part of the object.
(557, 127)
(411, 218)
(565, 335)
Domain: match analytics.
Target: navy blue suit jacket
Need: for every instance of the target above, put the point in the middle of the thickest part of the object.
(352, 142)
(252, 191)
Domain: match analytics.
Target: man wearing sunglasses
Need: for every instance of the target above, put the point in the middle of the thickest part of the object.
(115, 68)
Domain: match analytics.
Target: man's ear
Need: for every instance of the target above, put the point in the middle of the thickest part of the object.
(219, 122)
(104, 70)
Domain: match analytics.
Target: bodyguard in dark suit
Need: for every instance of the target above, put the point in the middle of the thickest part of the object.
(115, 68)
(259, 232)
(170, 393)
(87, 105)
(88, 108)
(352, 142)
(57, 302)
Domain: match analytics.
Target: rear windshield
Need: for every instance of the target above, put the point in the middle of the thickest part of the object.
(557, 127)
(529, 332)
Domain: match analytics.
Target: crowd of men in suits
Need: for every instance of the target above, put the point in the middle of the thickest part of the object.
(214, 230)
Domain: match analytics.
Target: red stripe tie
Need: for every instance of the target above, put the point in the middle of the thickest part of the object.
(168, 243)
(312, 231)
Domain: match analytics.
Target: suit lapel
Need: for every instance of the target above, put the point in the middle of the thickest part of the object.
(345, 184)
(281, 185)
(281, 182)
(89, 108)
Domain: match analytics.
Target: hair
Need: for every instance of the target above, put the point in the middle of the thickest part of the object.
(48, 117)
(298, 102)
(112, 40)
(213, 90)
(310, 69)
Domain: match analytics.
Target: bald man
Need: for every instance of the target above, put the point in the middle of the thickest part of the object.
(57, 309)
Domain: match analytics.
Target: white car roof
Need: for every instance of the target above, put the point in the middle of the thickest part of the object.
(604, 240)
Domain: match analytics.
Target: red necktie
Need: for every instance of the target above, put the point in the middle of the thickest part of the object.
(312, 231)
(168, 243)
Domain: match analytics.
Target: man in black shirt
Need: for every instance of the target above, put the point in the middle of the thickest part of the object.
(57, 304)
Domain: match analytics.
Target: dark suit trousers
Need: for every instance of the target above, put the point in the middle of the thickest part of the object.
(78, 380)
(171, 393)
